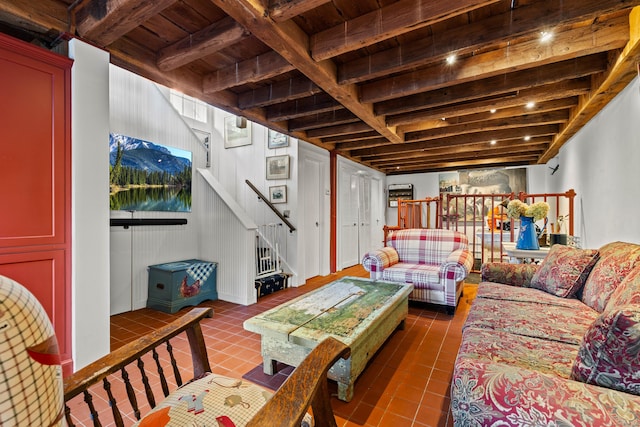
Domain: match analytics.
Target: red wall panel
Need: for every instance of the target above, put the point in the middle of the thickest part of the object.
(35, 178)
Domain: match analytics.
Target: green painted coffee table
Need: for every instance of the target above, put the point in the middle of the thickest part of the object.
(361, 313)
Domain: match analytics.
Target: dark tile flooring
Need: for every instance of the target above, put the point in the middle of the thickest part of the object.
(405, 384)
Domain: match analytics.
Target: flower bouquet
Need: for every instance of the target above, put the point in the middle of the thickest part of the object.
(537, 211)
(528, 214)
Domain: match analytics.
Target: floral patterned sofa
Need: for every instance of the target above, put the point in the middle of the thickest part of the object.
(436, 261)
(555, 344)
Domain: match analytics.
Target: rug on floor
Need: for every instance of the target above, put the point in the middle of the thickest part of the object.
(272, 382)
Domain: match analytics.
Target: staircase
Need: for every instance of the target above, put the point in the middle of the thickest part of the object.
(270, 245)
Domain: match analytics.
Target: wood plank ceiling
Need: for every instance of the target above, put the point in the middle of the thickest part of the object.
(401, 86)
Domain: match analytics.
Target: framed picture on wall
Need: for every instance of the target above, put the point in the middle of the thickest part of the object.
(237, 132)
(277, 139)
(278, 167)
(278, 194)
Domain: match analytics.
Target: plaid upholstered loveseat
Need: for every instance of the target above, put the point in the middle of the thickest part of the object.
(435, 261)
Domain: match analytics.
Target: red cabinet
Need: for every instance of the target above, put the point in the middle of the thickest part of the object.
(35, 178)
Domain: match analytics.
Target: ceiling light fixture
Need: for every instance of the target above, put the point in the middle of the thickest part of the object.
(451, 59)
(530, 104)
(493, 110)
(527, 138)
(545, 36)
(493, 142)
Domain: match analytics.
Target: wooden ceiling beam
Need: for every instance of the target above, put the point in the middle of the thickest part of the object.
(207, 41)
(35, 15)
(400, 171)
(483, 34)
(540, 94)
(275, 93)
(339, 130)
(498, 85)
(500, 114)
(252, 70)
(553, 117)
(464, 152)
(105, 21)
(346, 147)
(387, 22)
(511, 144)
(465, 139)
(343, 139)
(335, 117)
(622, 71)
(530, 155)
(293, 44)
(316, 104)
(281, 10)
(573, 43)
(455, 165)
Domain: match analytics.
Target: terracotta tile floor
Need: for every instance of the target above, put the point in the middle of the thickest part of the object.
(405, 384)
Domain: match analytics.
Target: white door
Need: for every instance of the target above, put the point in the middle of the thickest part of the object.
(348, 207)
(377, 214)
(364, 215)
(312, 223)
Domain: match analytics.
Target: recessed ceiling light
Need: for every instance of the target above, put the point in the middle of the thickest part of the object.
(530, 104)
(493, 142)
(451, 59)
(545, 36)
(493, 110)
(526, 138)
(443, 119)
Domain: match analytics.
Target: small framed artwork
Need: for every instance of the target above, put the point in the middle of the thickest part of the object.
(277, 139)
(278, 194)
(278, 167)
(237, 132)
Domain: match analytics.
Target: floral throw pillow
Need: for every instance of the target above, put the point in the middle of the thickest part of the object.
(564, 270)
(609, 354)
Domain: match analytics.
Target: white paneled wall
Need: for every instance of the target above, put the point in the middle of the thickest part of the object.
(227, 236)
(140, 110)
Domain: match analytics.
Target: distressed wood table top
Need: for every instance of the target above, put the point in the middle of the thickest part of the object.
(343, 309)
(360, 313)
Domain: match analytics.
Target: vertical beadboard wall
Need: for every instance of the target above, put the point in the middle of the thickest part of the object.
(138, 109)
(227, 236)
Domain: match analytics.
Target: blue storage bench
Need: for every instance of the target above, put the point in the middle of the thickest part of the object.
(178, 284)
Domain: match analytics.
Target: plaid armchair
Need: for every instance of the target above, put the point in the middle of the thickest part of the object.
(436, 262)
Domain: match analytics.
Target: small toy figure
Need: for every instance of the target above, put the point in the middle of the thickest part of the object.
(496, 218)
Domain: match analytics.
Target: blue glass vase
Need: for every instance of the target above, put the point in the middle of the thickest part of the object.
(527, 237)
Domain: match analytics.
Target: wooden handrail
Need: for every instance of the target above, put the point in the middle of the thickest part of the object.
(273, 208)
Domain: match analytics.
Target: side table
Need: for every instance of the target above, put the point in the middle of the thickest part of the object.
(518, 256)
